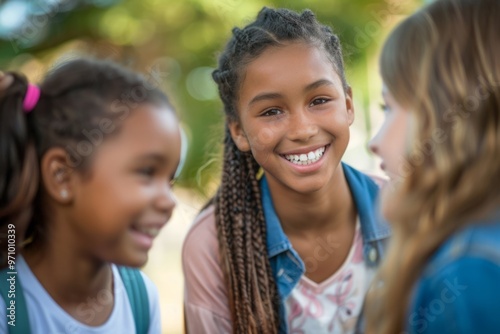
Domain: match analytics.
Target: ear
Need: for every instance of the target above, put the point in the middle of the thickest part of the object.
(349, 103)
(57, 175)
(239, 136)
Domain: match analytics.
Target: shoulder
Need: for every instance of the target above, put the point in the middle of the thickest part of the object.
(458, 288)
(206, 300)
(476, 241)
(470, 255)
(200, 252)
(201, 238)
(461, 298)
(124, 314)
(151, 288)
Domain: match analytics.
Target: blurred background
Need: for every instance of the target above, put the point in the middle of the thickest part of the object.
(178, 41)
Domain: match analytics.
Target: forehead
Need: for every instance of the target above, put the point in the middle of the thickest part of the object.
(298, 55)
(149, 121)
(285, 67)
(147, 128)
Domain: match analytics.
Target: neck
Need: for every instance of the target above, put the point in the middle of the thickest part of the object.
(330, 208)
(68, 273)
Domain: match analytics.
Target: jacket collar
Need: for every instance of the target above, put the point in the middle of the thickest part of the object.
(363, 190)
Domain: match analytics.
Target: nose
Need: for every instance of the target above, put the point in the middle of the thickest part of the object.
(302, 126)
(165, 199)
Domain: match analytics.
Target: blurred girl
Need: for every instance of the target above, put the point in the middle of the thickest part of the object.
(440, 144)
(295, 251)
(87, 161)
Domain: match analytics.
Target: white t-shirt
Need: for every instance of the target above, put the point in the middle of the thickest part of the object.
(334, 305)
(47, 317)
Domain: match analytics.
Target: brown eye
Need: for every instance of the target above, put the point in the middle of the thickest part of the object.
(147, 171)
(271, 112)
(319, 101)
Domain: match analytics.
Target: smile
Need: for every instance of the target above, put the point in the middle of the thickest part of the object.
(151, 231)
(144, 235)
(306, 158)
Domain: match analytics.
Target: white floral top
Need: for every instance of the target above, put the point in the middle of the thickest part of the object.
(334, 305)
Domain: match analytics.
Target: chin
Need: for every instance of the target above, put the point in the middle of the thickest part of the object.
(134, 261)
(139, 262)
(308, 187)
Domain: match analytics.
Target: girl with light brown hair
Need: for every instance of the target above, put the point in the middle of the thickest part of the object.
(440, 146)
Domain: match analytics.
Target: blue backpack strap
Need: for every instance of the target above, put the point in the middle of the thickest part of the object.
(14, 297)
(138, 297)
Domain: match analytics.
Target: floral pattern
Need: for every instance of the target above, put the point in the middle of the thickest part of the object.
(334, 305)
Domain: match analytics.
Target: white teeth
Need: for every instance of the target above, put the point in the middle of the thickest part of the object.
(152, 232)
(306, 159)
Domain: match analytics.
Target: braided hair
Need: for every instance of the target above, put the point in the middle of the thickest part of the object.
(253, 294)
(76, 97)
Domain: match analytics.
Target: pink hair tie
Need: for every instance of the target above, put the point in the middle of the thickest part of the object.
(31, 98)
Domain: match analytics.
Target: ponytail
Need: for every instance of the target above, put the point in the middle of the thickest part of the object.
(19, 172)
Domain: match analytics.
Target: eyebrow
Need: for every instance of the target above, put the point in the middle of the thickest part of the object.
(317, 84)
(152, 156)
(273, 96)
(264, 96)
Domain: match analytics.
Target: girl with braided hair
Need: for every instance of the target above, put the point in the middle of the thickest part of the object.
(294, 249)
(86, 164)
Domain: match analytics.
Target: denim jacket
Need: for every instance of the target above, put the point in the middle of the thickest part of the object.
(458, 290)
(286, 264)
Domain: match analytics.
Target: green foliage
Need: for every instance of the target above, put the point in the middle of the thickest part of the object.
(182, 38)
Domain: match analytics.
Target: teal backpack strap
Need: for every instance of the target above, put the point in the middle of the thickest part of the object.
(15, 304)
(138, 296)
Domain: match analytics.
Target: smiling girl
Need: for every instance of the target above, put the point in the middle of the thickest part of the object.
(292, 251)
(83, 215)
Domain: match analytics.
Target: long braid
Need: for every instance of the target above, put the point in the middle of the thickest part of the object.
(262, 267)
(253, 295)
(241, 228)
(222, 213)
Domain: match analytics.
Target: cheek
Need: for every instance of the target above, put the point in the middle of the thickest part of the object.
(263, 138)
(114, 207)
(396, 150)
(129, 201)
(339, 122)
